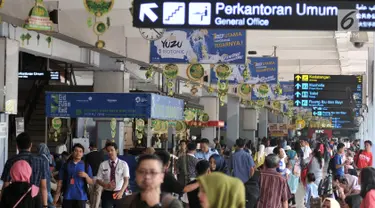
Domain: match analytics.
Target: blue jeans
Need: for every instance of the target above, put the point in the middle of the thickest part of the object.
(50, 200)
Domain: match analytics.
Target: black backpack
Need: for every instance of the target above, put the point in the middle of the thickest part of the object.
(325, 188)
(252, 189)
(331, 166)
(65, 182)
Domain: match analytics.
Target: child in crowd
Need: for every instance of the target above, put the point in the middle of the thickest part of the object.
(311, 189)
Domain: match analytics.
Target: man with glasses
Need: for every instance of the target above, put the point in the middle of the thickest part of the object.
(149, 177)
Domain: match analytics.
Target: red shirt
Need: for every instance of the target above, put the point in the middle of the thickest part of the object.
(274, 189)
(364, 159)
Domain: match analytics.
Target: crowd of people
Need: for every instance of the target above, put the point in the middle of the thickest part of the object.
(331, 173)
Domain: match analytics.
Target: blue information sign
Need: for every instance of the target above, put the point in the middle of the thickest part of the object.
(113, 105)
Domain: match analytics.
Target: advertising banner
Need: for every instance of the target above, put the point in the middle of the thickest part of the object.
(260, 70)
(203, 46)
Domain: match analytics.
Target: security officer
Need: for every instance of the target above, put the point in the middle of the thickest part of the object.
(205, 152)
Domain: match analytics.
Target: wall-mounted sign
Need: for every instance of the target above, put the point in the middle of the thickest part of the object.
(256, 14)
(41, 75)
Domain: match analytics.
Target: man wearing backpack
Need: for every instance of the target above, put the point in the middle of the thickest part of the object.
(39, 166)
(364, 157)
(74, 176)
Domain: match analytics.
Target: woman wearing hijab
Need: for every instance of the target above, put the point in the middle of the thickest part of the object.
(218, 190)
(20, 193)
(260, 156)
(218, 164)
(330, 203)
(45, 153)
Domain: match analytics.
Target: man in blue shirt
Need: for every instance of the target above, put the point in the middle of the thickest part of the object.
(242, 163)
(73, 179)
(339, 163)
(205, 151)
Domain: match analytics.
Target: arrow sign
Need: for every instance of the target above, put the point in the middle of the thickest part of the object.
(298, 77)
(314, 108)
(297, 102)
(314, 113)
(146, 10)
(298, 86)
(298, 94)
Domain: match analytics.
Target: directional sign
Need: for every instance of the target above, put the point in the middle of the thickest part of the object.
(318, 78)
(327, 86)
(146, 11)
(258, 14)
(333, 113)
(342, 123)
(313, 90)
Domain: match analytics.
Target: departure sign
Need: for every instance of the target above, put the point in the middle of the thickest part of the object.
(335, 91)
(40, 75)
(255, 14)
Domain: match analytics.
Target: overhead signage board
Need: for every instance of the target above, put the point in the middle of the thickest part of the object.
(333, 112)
(257, 14)
(311, 90)
(41, 75)
(339, 123)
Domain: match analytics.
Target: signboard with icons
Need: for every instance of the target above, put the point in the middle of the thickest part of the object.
(257, 14)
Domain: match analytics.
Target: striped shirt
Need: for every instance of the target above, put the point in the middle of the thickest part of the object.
(39, 166)
(274, 189)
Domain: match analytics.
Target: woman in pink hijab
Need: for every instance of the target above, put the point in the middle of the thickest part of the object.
(20, 193)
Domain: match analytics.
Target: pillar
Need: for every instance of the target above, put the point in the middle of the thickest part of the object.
(211, 107)
(263, 123)
(249, 123)
(233, 120)
(111, 82)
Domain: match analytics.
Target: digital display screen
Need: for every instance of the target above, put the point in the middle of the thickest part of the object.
(255, 14)
(46, 75)
(335, 91)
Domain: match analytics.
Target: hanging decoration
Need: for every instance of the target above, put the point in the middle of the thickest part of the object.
(28, 37)
(223, 71)
(56, 125)
(180, 127)
(149, 72)
(195, 73)
(38, 18)
(170, 72)
(261, 103)
(204, 117)
(278, 90)
(244, 90)
(263, 90)
(37, 39)
(49, 41)
(246, 74)
(113, 125)
(276, 105)
(2, 3)
(100, 24)
(139, 126)
(210, 88)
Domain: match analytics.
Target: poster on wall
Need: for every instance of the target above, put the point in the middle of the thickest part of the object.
(182, 46)
(260, 70)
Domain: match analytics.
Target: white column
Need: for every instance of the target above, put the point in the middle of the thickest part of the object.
(211, 107)
(111, 82)
(233, 120)
(263, 123)
(249, 123)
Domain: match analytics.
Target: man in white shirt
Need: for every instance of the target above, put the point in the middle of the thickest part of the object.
(306, 150)
(113, 175)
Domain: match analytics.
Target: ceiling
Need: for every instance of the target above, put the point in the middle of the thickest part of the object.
(314, 52)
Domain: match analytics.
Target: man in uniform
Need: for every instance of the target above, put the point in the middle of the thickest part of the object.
(205, 151)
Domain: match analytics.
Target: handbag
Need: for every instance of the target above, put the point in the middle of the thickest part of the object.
(22, 197)
(304, 172)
